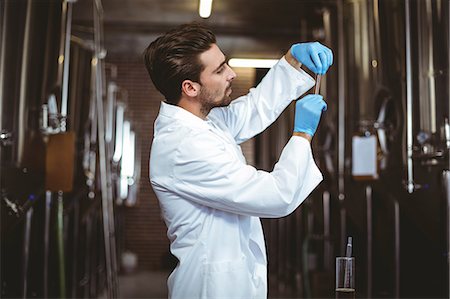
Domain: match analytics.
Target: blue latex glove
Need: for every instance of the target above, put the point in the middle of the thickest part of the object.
(314, 56)
(307, 113)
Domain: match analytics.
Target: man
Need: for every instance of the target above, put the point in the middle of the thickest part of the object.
(211, 200)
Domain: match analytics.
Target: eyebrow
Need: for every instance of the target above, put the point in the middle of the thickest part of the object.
(223, 62)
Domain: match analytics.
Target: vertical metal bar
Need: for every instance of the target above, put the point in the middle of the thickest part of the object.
(341, 119)
(48, 60)
(65, 81)
(87, 258)
(23, 121)
(288, 256)
(107, 199)
(26, 252)
(4, 17)
(103, 159)
(409, 102)
(397, 248)
(298, 254)
(104, 189)
(377, 37)
(343, 232)
(76, 223)
(279, 272)
(62, 34)
(60, 237)
(48, 204)
(447, 172)
(369, 240)
(326, 231)
(92, 160)
(430, 69)
(446, 183)
(96, 227)
(113, 242)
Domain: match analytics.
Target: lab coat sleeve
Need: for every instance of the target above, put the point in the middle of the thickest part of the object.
(208, 174)
(251, 114)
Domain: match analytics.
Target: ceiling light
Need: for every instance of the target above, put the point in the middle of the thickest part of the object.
(254, 63)
(204, 9)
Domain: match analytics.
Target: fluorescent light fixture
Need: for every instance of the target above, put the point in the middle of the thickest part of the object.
(254, 63)
(123, 192)
(127, 167)
(110, 101)
(119, 133)
(204, 9)
(127, 162)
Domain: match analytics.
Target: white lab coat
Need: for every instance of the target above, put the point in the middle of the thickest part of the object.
(211, 200)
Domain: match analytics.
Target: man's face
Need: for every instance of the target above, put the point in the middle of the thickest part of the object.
(215, 79)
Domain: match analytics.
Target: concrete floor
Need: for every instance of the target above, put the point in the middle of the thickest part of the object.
(142, 285)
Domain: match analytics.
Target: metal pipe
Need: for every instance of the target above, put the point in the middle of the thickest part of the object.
(326, 231)
(4, 17)
(95, 259)
(369, 239)
(377, 38)
(60, 238)
(397, 248)
(108, 216)
(92, 155)
(409, 102)
(48, 203)
(281, 255)
(76, 224)
(87, 260)
(59, 77)
(448, 85)
(298, 257)
(341, 101)
(104, 185)
(112, 235)
(101, 89)
(430, 70)
(23, 120)
(341, 119)
(343, 219)
(446, 173)
(446, 183)
(65, 79)
(26, 252)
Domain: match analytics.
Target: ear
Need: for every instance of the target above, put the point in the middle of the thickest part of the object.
(190, 88)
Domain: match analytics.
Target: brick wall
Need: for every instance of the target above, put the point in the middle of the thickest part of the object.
(145, 231)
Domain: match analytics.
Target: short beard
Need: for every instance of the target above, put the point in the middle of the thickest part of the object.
(208, 104)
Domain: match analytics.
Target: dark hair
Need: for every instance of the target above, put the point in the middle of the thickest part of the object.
(174, 57)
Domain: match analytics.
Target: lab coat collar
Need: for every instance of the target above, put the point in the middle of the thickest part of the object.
(178, 113)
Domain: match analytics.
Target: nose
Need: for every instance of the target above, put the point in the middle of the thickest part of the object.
(231, 73)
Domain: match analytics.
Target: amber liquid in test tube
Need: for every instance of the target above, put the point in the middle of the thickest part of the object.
(317, 87)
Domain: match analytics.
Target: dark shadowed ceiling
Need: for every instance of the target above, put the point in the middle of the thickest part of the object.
(243, 27)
